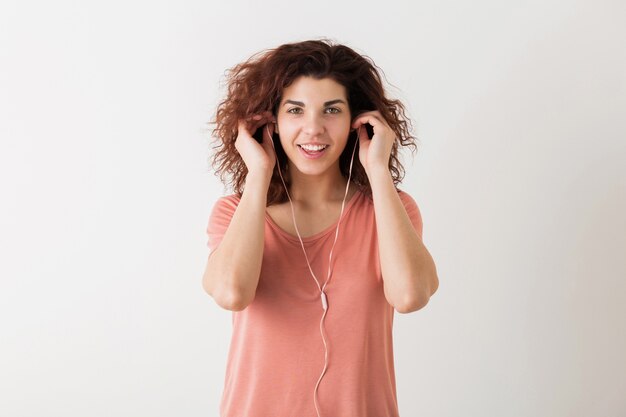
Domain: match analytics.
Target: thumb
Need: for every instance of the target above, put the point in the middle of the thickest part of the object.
(268, 141)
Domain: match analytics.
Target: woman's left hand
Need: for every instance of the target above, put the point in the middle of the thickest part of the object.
(374, 152)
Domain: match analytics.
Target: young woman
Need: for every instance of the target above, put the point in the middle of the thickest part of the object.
(316, 248)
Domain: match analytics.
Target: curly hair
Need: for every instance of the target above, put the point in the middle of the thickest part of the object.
(256, 85)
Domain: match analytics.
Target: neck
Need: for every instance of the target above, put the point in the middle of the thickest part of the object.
(318, 190)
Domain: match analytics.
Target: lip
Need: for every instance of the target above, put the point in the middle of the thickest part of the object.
(308, 156)
(314, 143)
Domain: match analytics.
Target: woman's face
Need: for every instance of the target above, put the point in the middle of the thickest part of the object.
(313, 111)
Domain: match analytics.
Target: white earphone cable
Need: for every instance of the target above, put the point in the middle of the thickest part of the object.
(322, 293)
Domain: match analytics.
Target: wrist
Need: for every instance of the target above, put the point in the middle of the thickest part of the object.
(378, 170)
(259, 179)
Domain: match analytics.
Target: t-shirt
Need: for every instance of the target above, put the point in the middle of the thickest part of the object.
(276, 353)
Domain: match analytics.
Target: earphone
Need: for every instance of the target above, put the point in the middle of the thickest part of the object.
(323, 296)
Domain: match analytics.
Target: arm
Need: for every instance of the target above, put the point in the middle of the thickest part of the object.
(408, 270)
(232, 271)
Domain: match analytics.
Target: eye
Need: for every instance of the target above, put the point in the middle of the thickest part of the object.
(293, 108)
(335, 110)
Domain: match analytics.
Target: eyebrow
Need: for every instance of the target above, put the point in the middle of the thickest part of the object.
(299, 103)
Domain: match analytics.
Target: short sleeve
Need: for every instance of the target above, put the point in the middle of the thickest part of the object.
(219, 220)
(413, 211)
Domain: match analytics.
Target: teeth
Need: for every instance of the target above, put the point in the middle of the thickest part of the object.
(313, 148)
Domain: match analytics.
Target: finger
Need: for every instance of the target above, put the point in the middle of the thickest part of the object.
(362, 133)
(260, 125)
(268, 141)
(367, 118)
(241, 126)
(267, 132)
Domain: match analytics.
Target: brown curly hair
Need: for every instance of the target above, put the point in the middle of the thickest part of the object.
(256, 85)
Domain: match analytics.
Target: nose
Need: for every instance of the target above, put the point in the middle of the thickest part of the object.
(313, 125)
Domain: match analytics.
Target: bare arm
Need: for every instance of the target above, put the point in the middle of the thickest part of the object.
(409, 272)
(232, 271)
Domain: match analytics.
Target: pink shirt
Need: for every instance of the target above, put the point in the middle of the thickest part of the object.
(276, 352)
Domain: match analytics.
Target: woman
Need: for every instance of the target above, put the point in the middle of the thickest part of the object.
(316, 247)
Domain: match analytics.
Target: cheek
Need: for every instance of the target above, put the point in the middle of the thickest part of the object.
(284, 127)
(343, 124)
(340, 131)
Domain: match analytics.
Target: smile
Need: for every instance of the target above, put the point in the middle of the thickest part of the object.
(312, 154)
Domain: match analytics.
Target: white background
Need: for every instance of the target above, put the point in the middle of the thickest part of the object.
(106, 190)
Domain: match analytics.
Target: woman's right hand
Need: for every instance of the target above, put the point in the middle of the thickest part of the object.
(259, 157)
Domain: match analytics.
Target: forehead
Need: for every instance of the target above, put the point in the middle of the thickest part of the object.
(310, 89)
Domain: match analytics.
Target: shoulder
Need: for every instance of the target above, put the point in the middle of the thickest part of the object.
(227, 201)
(412, 210)
(406, 198)
(224, 207)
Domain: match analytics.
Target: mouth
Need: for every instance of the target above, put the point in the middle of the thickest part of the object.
(312, 154)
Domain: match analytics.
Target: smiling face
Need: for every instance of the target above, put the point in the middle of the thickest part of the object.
(314, 112)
